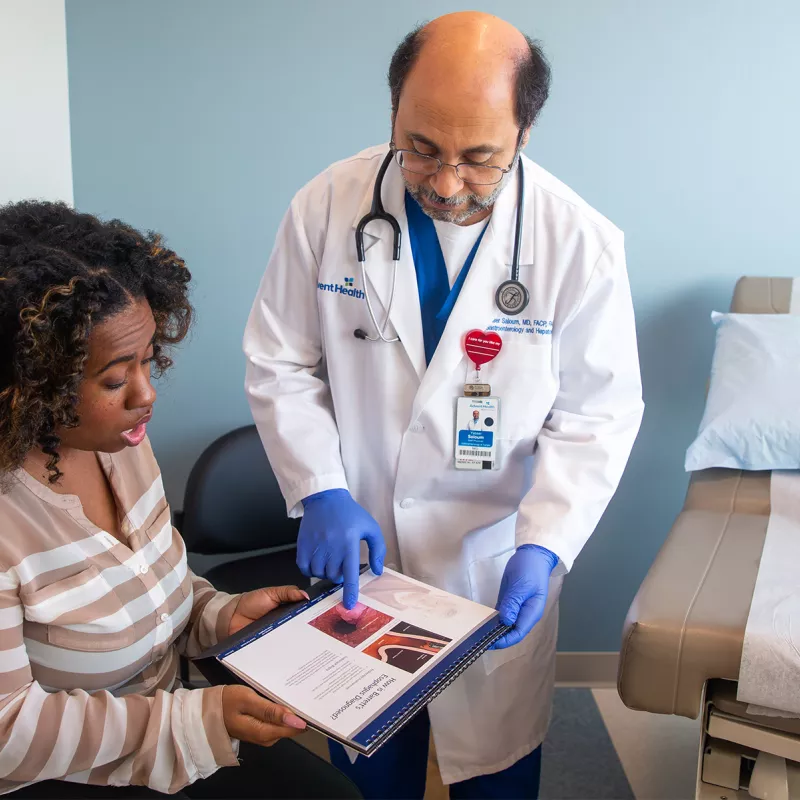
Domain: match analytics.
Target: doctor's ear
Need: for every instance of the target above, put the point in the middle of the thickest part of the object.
(525, 139)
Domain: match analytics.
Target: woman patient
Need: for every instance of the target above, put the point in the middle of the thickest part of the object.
(96, 599)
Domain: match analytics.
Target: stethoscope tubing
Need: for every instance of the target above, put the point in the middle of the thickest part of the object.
(380, 330)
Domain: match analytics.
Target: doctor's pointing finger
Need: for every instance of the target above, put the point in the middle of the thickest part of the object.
(442, 364)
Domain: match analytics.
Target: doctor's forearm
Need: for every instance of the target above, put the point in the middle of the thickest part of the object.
(299, 432)
(291, 404)
(574, 481)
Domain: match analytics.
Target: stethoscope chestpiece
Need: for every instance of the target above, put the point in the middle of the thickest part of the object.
(512, 297)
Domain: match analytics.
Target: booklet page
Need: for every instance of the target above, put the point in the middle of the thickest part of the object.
(339, 669)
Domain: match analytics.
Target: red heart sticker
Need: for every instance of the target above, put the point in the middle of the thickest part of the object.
(482, 346)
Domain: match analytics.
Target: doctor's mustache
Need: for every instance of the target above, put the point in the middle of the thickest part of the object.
(430, 194)
(475, 201)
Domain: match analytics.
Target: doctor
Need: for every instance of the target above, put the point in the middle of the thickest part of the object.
(475, 423)
(354, 386)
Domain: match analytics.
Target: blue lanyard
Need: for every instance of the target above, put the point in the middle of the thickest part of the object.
(436, 298)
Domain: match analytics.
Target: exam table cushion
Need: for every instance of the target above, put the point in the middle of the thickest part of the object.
(687, 622)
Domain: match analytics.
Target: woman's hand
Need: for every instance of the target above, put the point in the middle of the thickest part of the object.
(250, 717)
(253, 605)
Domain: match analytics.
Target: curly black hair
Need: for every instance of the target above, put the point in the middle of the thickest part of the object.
(61, 273)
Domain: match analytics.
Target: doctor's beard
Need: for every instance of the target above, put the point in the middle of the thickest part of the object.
(475, 203)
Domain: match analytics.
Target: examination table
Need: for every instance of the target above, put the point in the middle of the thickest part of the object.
(683, 637)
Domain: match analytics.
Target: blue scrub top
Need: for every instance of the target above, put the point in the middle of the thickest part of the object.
(436, 298)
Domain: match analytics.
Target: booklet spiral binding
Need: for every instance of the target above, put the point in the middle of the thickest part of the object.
(433, 690)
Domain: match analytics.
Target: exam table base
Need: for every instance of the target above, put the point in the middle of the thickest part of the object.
(741, 759)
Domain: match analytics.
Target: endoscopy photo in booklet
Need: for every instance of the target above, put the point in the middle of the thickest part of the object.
(359, 675)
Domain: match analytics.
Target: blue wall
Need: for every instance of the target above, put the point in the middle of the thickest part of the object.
(678, 120)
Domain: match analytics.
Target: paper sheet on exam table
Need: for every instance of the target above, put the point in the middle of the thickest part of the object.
(770, 669)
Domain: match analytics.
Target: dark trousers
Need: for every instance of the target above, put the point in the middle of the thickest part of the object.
(285, 770)
(398, 770)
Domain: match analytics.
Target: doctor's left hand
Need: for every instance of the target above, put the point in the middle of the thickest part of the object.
(329, 542)
(523, 592)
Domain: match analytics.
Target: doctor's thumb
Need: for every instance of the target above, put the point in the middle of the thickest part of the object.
(510, 606)
(531, 612)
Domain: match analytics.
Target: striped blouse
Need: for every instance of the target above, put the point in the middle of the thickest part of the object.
(90, 632)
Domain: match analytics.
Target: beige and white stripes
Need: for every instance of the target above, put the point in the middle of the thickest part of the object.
(90, 631)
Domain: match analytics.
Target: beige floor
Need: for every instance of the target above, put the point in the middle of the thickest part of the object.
(658, 754)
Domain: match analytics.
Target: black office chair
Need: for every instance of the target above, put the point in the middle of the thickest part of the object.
(233, 505)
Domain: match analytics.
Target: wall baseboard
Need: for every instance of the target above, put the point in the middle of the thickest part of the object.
(592, 670)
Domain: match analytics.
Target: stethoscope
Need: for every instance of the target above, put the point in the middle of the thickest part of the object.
(511, 296)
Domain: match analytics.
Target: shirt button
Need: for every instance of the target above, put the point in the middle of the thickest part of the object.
(144, 569)
(417, 427)
(407, 503)
(164, 617)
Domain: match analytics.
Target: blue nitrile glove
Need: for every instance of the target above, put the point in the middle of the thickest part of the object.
(331, 531)
(523, 592)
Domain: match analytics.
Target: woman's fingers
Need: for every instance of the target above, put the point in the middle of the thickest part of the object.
(253, 718)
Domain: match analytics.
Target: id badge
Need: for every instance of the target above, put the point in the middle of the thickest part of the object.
(477, 428)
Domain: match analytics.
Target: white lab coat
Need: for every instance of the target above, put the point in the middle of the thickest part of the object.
(335, 411)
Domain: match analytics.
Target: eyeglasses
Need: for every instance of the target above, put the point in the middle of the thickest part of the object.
(476, 174)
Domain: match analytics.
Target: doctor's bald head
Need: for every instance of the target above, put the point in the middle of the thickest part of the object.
(477, 43)
(465, 91)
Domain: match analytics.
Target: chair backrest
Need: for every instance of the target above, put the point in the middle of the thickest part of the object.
(233, 503)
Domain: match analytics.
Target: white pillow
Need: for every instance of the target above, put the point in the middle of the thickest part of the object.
(752, 416)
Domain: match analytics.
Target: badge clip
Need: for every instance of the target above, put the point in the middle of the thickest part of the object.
(477, 389)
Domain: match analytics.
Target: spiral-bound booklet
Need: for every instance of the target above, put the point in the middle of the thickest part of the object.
(359, 675)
